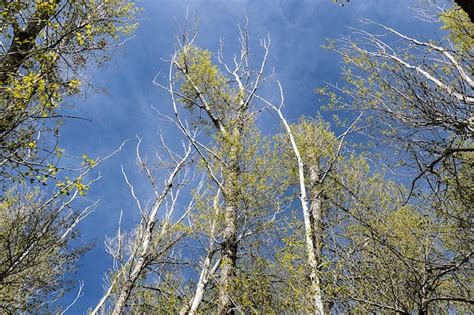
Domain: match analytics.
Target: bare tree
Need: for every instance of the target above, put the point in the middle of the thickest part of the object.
(156, 234)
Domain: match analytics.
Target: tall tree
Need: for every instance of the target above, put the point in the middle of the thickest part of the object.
(226, 105)
(419, 98)
(315, 154)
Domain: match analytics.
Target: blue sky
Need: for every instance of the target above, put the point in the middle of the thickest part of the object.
(297, 30)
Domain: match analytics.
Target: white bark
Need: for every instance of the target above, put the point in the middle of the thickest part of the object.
(305, 205)
(206, 272)
(310, 231)
(385, 51)
(140, 258)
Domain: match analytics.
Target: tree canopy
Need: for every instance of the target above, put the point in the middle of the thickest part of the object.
(242, 207)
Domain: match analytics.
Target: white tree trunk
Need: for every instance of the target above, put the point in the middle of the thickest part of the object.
(310, 229)
(138, 261)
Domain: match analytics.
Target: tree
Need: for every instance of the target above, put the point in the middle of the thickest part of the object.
(418, 98)
(313, 146)
(153, 238)
(46, 46)
(37, 235)
(205, 230)
(298, 222)
(35, 245)
(311, 205)
(365, 244)
(231, 158)
(50, 43)
(395, 257)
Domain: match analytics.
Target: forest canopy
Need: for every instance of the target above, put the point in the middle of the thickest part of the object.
(343, 185)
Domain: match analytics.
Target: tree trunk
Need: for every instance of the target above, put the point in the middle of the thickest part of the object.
(229, 244)
(206, 273)
(127, 288)
(228, 264)
(310, 230)
(317, 235)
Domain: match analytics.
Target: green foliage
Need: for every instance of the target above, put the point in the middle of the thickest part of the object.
(199, 72)
(386, 255)
(50, 44)
(35, 250)
(291, 269)
(390, 254)
(427, 123)
(460, 28)
(400, 251)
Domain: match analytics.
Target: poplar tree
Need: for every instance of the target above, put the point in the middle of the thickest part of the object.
(222, 103)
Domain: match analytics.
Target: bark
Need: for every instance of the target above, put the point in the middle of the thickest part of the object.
(316, 211)
(143, 261)
(310, 228)
(317, 234)
(127, 287)
(229, 244)
(204, 277)
(206, 272)
(229, 262)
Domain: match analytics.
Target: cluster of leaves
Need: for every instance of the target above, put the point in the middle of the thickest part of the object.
(459, 27)
(50, 43)
(200, 74)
